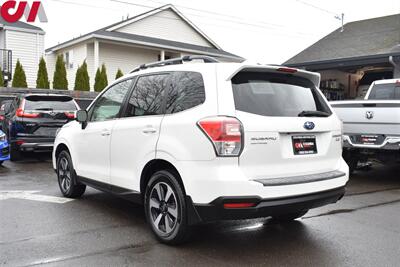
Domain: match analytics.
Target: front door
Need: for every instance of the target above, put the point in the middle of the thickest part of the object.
(94, 141)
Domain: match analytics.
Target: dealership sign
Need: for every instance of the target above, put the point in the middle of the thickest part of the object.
(13, 11)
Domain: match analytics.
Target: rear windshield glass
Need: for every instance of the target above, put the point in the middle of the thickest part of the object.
(46, 103)
(276, 95)
(385, 91)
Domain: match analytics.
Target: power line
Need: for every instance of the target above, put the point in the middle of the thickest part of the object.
(270, 27)
(220, 19)
(317, 7)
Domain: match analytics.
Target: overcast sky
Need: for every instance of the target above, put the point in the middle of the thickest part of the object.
(263, 30)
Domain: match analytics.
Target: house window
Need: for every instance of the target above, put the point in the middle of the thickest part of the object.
(69, 59)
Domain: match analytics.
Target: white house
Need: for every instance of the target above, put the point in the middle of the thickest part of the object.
(159, 34)
(24, 42)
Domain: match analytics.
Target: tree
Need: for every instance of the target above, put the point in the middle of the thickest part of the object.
(60, 74)
(104, 76)
(1, 78)
(97, 81)
(119, 74)
(82, 80)
(19, 79)
(42, 80)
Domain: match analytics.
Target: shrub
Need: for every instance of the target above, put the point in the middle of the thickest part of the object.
(97, 81)
(19, 79)
(1, 78)
(119, 74)
(104, 76)
(82, 80)
(42, 80)
(101, 81)
(60, 75)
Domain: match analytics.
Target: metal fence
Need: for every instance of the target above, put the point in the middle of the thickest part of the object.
(82, 98)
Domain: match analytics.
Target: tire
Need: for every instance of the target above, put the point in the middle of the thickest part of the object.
(1, 163)
(66, 177)
(167, 217)
(15, 154)
(284, 218)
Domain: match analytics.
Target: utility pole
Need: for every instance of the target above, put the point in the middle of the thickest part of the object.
(341, 18)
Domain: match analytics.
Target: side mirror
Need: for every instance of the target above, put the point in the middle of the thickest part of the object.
(82, 117)
(2, 113)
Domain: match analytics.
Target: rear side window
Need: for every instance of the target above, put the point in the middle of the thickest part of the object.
(147, 96)
(186, 91)
(390, 91)
(49, 103)
(276, 95)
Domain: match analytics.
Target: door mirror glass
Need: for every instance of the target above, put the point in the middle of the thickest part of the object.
(82, 116)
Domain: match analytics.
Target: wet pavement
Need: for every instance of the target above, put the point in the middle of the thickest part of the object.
(42, 228)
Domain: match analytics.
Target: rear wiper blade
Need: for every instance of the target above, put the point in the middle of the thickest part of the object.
(310, 113)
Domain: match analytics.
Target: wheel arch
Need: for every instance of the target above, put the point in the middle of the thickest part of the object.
(154, 166)
(61, 147)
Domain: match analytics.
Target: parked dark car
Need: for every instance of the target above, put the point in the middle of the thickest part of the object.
(31, 121)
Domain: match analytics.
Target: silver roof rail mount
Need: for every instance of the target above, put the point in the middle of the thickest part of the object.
(175, 61)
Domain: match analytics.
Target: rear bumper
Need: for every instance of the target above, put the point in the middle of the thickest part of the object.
(35, 144)
(215, 211)
(390, 143)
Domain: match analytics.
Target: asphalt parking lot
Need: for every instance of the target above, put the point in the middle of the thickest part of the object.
(39, 227)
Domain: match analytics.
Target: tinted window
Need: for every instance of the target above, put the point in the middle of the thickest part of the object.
(109, 104)
(186, 91)
(147, 97)
(61, 103)
(276, 94)
(385, 92)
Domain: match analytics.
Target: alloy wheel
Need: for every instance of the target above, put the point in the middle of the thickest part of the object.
(163, 208)
(64, 174)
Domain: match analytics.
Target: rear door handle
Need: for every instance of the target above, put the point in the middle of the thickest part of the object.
(149, 130)
(105, 133)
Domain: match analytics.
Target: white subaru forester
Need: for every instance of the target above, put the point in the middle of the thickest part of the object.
(203, 141)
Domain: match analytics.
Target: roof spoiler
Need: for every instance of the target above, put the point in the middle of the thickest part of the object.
(314, 77)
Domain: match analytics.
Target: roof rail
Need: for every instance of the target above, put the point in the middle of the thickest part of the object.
(175, 61)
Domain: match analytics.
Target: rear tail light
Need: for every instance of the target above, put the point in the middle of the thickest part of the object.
(70, 115)
(225, 133)
(22, 114)
(20, 142)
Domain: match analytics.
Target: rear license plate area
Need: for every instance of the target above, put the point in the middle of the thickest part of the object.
(369, 139)
(304, 144)
(47, 131)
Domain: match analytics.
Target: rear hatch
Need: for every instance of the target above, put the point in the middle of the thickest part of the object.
(43, 115)
(289, 129)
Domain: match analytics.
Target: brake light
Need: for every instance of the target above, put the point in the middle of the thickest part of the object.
(238, 205)
(22, 114)
(20, 142)
(70, 115)
(287, 70)
(225, 133)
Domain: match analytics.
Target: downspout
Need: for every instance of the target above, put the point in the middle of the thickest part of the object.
(396, 67)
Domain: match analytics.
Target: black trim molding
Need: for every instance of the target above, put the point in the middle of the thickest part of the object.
(130, 195)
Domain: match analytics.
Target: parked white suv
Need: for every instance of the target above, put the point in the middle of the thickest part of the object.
(198, 142)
